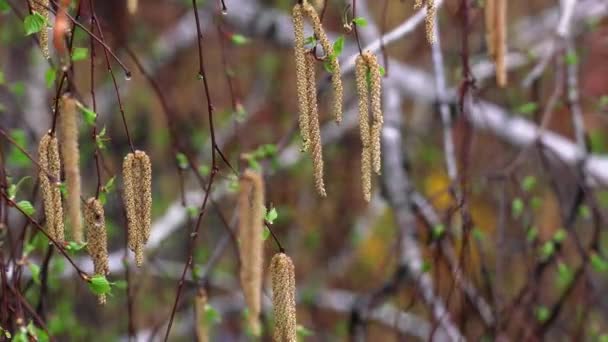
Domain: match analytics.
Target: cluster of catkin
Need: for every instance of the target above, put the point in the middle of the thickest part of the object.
(41, 6)
(431, 12)
(496, 36)
(306, 86)
(137, 197)
(283, 297)
(68, 142)
(50, 181)
(369, 91)
(251, 247)
(201, 326)
(97, 242)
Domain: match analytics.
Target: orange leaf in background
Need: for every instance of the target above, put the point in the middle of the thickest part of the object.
(61, 27)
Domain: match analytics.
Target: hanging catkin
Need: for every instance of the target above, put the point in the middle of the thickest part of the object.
(431, 12)
(301, 80)
(68, 142)
(336, 80)
(489, 14)
(50, 172)
(375, 96)
(201, 327)
(41, 6)
(97, 243)
(314, 128)
(496, 36)
(251, 220)
(283, 297)
(137, 176)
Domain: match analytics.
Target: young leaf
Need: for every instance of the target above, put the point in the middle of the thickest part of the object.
(271, 215)
(360, 21)
(74, 246)
(26, 207)
(34, 23)
(211, 315)
(89, 115)
(15, 157)
(238, 39)
(182, 160)
(35, 269)
(338, 46)
(49, 77)
(265, 233)
(99, 285)
(79, 54)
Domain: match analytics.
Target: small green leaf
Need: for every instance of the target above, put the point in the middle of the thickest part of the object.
(426, 266)
(265, 233)
(598, 263)
(34, 23)
(271, 215)
(527, 108)
(478, 234)
(532, 234)
(26, 207)
(302, 331)
(438, 231)
(528, 183)
(584, 212)
(99, 285)
(360, 21)
(204, 170)
(382, 71)
(571, 58)
(547, 250)
(74, 246)
(17, 88)
(120, 284)
(212, 316)
(109, 186)
(89, 115)
(35, 269)
(310, 40)
(517, 207)
(101, 139)
(182, 160)
(560, 236)
(338, 46)
(192, 211)
(238, 39)
(564, 275)
(4, 8)
(13, 189)
(15, 157)
(542, 313)
(328, 63)
(49, 77)
(79, 54)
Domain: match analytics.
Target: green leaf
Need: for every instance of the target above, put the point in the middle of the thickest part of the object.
(438, 231)
(74, 246)
(338, 46)
(571, 58)
(382, 71)
(99, 285)
(35, 269)
(2, 80)
(542, 313)
(15, 157)
(310, 40)
(238, 39)
(17, 88)
(212, 316)
(4, 7)
(265, 233)
(565, 275)
(584, 212)
(182, 160)
(101, 139)
(271, 215)
(328, 63)
(360, 21)
(204, 170)
(89, 115)
(517, 207)
(560, 236)
(192, 211)
(34, 23)
(547, 250)
(109, 186)
(38, 334)
(528, 183)
(598, 263)
(426, 266)
(26, 207)
(14, 188)
(527, 108)
(49, 77)
(120, 284)
(302, 331)
(79, 54)
(532, 234)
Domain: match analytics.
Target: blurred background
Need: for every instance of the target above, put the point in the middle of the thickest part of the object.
(486, 223)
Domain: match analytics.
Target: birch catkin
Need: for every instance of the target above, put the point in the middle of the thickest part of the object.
(431, 12)
(496, 36)
(41, 6)
(132, 6)
(314, 128)
(375, 95)
(336, 80)
(97, 243)
(301, 80)
(201, 327)
(50, 172)
(137, 175)
(251, 219)
(68, 142)
(283, 297)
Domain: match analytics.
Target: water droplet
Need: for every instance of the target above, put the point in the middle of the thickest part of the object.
(128, 75)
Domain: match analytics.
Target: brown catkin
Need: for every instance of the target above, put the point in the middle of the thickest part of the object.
(251, 220)
(132, 6)
(375, 95)
(41, 6)
(314, 127)
(97, 243)
(431, 12)
(201, 327)
(489, 13)
(301, 81)
(283, 297)
(68, 142)
(336, 74)
(137, 175)
(417, 4)
(50, 172)
(501, 41)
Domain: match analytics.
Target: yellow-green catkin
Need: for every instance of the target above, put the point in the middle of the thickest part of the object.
(431, 12)
(68, 142)
(201, 326)
(301, 81)
(316, 145)
(375, 98)
(417, 4)
(97, 243)
(132, 6)
(283, 278)
(50, 181)
(251, 220)
(41, 6)
(137, 176)
(336, 80)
